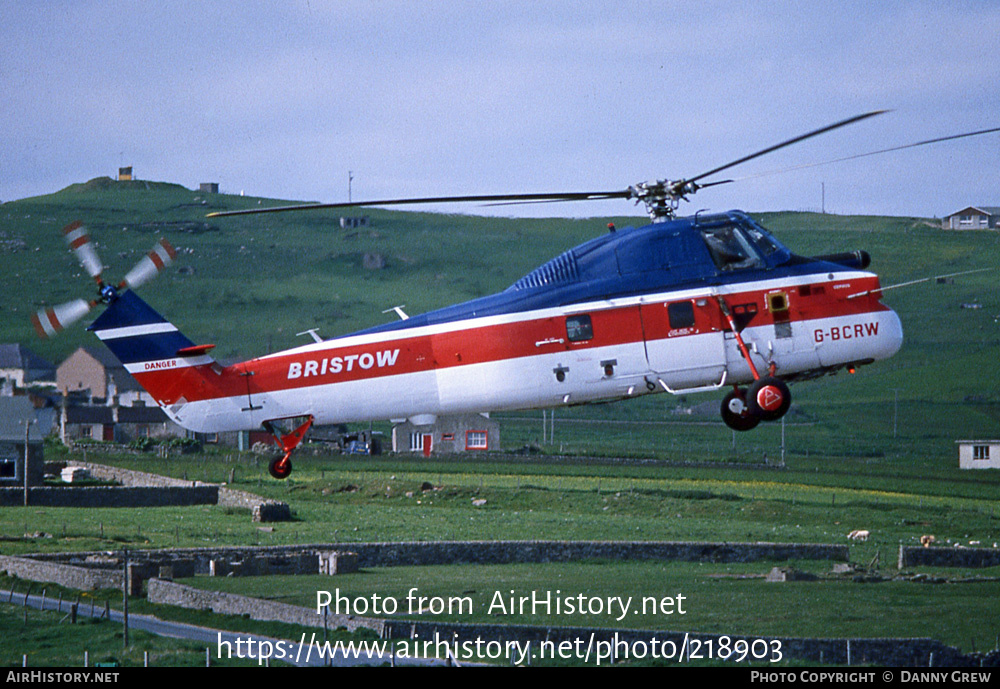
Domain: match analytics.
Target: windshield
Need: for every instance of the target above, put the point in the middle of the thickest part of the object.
(731, 248)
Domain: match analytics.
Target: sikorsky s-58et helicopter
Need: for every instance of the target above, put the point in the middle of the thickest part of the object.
(682, 305)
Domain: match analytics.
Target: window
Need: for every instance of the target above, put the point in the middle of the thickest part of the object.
(8, 468)
(681, 314)
(579, 328)
(731, 249)
(416, 442)
(475, 440)
(981, 452)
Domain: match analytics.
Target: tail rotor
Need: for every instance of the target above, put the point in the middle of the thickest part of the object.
(48, 322)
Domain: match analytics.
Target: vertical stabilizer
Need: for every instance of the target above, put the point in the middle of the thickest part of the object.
(168, 365)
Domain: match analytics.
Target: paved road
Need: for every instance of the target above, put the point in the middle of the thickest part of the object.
(296, 652)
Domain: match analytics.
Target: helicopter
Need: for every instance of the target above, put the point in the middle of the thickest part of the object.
(682, 305)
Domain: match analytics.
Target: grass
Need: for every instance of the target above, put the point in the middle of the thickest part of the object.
(714, 598)
(338, 499)
(48, 641)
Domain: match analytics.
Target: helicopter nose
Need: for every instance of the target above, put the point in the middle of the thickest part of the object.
(890, 338)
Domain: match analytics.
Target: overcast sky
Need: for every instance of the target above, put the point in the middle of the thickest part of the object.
(428, 98)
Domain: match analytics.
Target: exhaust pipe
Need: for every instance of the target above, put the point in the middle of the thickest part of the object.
(852, 259)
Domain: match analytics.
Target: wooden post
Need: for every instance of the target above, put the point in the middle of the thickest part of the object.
(125, 583)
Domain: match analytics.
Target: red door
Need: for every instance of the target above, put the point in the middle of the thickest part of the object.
(427, 444)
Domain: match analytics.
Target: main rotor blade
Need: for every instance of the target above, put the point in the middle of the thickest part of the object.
(487, 198)
(789, 142)
(870, 153)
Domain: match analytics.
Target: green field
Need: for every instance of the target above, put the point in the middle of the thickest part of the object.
(715, 598)
(874, 451)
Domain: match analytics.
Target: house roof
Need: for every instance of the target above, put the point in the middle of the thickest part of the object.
(13, 413)
(20, 357)
(141, 415)
(104, 356)
(985, 210)
(89, 414)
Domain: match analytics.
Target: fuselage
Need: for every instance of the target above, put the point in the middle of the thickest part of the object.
(629, 313)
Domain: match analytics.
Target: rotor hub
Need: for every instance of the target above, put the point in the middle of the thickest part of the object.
(662, 197)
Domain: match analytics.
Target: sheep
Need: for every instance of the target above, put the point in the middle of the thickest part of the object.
(858, 535)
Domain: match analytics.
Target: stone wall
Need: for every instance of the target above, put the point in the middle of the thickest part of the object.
(263, 509)
(74, 577)
(918, 556)
(142, 489)
(130, 477)
(169, 593)
(485, 552)
(501, 552)
(110, 496)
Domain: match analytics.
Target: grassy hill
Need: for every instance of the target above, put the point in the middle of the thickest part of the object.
(249, 284)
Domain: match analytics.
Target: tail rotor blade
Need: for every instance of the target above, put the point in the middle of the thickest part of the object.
(150, 266)
(78, 239)
(48, 322)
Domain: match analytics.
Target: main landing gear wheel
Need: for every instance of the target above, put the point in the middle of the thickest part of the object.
(768, 398)
(280, 467)
(736, 413)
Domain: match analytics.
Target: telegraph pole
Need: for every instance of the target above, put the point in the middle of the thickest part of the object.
(350, 179)
(125, 599)
(27, 429)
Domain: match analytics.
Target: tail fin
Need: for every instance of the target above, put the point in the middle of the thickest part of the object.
(168, 365)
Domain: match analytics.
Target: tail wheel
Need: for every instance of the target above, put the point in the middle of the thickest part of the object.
(736, 413)
(768, 398)
(280, 467)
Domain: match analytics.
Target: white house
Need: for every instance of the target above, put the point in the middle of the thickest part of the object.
(979, 454)
(973, 218)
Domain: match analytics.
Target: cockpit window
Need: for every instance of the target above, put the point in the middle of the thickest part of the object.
(764, 242)
(731, 249)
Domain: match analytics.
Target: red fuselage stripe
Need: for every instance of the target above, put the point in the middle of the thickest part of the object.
(490, 343)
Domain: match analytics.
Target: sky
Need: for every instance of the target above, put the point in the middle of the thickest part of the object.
(428, 98)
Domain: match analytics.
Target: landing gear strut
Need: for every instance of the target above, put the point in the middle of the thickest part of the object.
(281, 467)
(767, 398)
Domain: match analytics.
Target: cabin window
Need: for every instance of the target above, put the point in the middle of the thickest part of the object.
(730, 249)
(681, 314)
(475, 440)
(981, 452)
(579, 328)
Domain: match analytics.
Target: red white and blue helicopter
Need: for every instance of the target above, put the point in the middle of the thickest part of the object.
(682, 305)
